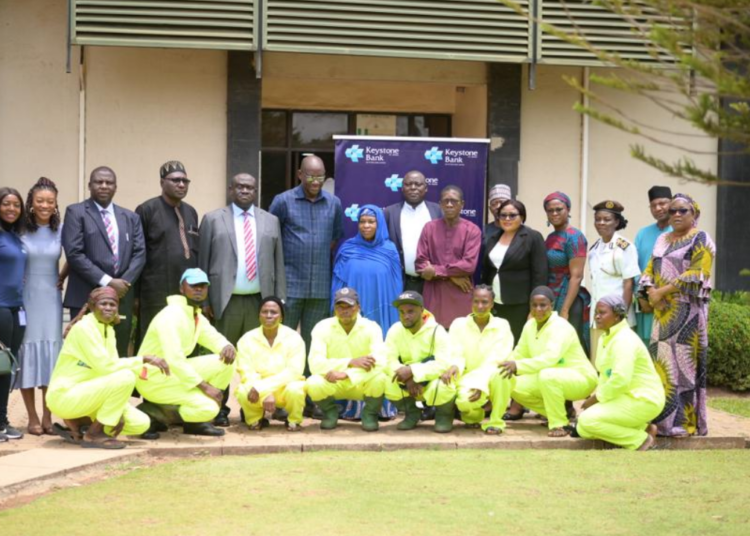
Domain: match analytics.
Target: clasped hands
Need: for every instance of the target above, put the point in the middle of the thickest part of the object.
(463, 282)
(656, 298)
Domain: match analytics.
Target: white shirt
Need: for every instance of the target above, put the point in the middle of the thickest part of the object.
(496, 256)
(610, 264)
(241, 284)
(413, 220)
(104, 281)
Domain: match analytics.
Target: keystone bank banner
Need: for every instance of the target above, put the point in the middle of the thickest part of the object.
(370, 169)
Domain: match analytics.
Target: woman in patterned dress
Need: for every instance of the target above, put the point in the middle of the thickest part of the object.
(677, 283)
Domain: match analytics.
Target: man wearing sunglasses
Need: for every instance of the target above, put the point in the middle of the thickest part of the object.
(170, 227)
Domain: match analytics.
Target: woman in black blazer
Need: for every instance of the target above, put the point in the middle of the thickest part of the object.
(514, 263)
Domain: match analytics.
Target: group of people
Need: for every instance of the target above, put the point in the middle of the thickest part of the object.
(396, 318)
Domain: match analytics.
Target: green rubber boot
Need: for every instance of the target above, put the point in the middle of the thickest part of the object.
(370, 413)
(330, 413)
(444, 418)
(412, 413)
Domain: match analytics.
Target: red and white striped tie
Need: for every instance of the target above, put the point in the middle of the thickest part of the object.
(112, 238)
(250, 262)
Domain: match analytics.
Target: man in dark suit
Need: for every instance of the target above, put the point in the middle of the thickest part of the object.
(104, 246)
(240, 249)
(405, 223)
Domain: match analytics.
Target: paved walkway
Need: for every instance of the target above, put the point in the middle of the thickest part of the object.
(34, 458)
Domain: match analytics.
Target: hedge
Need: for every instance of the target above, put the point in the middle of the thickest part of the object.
(729, 345)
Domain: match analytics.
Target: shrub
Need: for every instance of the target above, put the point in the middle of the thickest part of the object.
(729, 345)
(739, 297)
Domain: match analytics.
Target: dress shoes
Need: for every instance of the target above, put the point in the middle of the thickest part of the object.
(202, 429)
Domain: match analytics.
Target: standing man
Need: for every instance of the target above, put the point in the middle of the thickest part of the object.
(659, 198)
(240, 247)
(170, 227)
(405, 223)
(498, 194)
(311, 223)
(447, 257)
(104, 247)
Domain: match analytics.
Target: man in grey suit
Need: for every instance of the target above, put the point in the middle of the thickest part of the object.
(405, 223)
(104, 246)
(240, 250)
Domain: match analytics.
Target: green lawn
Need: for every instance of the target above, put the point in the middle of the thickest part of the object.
(410, 493)
(737, 406)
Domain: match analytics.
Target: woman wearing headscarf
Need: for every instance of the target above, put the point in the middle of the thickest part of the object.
(677, 283)
(550, 363)
(630, 393)
(91, 386)
(271, 363)
(369, 263)
(613, 262)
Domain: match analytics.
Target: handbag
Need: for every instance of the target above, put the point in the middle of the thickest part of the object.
(8, 362)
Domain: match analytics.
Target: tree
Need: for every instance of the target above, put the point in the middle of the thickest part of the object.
(699, 59)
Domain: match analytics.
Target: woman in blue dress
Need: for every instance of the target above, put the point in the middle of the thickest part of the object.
(369, 263)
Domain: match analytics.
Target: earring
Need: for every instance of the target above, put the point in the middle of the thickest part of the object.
(548, 223)
(31, 210)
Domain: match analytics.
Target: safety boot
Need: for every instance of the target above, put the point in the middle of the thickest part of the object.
(330, 413)
(370, 413)
(444, 417)
(411, 413)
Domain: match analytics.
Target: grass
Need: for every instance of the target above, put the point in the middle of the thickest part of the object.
(736, 406)
(412, 493)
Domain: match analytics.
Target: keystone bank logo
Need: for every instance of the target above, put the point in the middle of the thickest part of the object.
(354, 153)
(351, 212)
(394, 182)
(433, 155)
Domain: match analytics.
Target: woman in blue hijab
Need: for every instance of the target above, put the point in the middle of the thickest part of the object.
(369, 263)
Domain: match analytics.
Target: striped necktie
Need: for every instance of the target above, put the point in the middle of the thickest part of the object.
(250, 263)
(112, 239)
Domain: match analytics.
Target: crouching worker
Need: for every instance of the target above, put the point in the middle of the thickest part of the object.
(90, 385)
(346, 362)
(419, 363)
(271, 363)
(195, 385)
(630, 393)
(480, 343)
(550, 364)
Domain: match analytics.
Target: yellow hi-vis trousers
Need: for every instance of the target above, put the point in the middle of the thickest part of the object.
(290, 397)
(621, 421)
(104, 399)
(499, 396)
(195, 406)
(365, 384)
(546, 392)
(435, 393)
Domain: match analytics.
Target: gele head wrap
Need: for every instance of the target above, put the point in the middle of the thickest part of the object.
(557, 196)
(693, 203)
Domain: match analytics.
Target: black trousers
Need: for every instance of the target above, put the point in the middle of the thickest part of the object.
(413, 283)
(11, 334)
(516, 314)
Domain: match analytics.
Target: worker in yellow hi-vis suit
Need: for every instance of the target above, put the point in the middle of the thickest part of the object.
(550, 364)
(630, 393)
(196, 385)
(480, 343)
(271, 363)
(90, 384)
(419, 357)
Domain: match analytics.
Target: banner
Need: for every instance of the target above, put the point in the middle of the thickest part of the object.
(370, 170)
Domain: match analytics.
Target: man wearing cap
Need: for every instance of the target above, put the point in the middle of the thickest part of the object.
(405, 223)
(170, 228)
(346, 362)
(196, 384)
(419, 364)
(497, 195)
(659, 198)
(240, 247)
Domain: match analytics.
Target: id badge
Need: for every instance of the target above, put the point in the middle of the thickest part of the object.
(22, 318)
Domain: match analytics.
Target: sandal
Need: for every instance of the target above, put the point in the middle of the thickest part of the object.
(36, 430)
(293, 427)
(109, 443)
(493, 430)
(508, 416)
(255, 427)
(558, 432)
(65, 433)
(472, 426)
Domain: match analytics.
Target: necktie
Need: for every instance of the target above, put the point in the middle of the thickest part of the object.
(183, 236)
(112, 239)
(249, 249)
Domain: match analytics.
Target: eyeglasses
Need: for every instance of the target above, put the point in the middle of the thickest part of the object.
(184, 181)
(313, 178)
(680, 211)
(509, 216)
(451, 201)
(557, 210)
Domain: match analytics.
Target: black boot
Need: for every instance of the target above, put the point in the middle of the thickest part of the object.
(202, 429)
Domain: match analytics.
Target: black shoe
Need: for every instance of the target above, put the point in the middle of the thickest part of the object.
(150, 435)
(280, 415)
(428, 413)
(221, 420)
(9, 432)
(202, 429)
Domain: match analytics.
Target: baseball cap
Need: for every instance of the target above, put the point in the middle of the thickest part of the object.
(194, 276)
(409, 296)
(346, 295)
